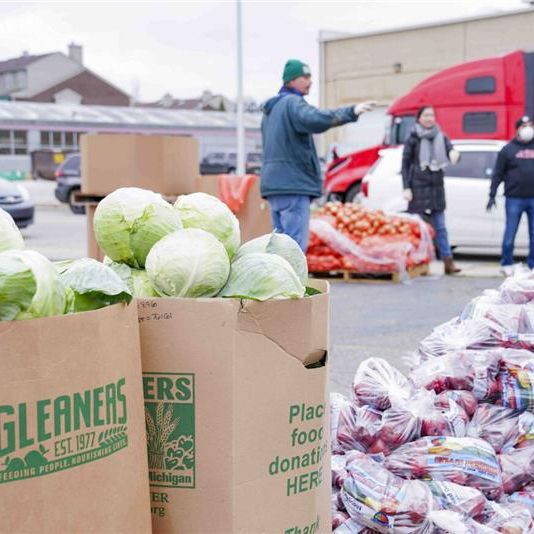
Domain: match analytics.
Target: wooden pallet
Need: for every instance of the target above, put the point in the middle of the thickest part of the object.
(350, 276)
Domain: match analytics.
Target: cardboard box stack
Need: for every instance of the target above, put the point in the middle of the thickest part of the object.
(72, 439)
(166, 164)
(238, 439)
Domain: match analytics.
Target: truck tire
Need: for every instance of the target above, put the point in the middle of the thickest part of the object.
(353, 191)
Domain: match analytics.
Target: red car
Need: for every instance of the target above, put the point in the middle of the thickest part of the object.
(475, 100)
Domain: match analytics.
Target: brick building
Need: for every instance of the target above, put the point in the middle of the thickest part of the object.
(57, 78)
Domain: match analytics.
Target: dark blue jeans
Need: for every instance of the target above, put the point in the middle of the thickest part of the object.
(437, 220)
(290, 215)
(515, 207)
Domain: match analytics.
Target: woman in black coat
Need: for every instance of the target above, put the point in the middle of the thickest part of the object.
(426, 153)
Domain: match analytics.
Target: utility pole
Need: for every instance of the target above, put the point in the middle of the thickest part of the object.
(240, 168)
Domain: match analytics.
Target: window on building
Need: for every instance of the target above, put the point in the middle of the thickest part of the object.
(13, 142)
(69, 139)
(20, 141)
(5, 142)
(55, 139)
(21, 79)
(45, 139)
(480, 122)
(481, 85)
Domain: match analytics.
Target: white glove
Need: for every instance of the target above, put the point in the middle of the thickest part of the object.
(408, 195)
(454, 156)
(364, 107)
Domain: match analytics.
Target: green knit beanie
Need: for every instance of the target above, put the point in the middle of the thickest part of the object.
(295, 69)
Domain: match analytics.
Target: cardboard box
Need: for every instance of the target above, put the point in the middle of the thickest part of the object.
(72, 426)
(237, 430)
(166, 164)
(254, 216)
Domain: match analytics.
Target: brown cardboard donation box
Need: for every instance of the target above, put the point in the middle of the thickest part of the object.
(72, 430)
(166, 164)
(235, 400)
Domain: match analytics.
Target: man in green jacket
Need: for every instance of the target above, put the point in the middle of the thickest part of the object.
(291, 173)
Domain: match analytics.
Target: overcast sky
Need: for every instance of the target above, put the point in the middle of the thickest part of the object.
(183, 48)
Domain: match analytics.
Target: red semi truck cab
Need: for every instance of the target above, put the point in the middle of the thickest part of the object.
(475, 100)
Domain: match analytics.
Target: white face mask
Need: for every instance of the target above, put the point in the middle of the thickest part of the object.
(526, 134)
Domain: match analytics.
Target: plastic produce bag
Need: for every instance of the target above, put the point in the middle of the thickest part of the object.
(337, 403)
(464, 461)
(358, 428)
(511, 518)
(451, 522)
(478, 306)
(382, 501)
(401, 424)
(518, 289)
(497, 425)
(351, 526)
(463, 499)
(517, 468)
(449, 371)
(449, 420)
(524, 496)
(455, 335)
(379, 384)
(516, 380)
(469, 370)
(465, 399)
(339, 470)
(526, 430)
(338, 518)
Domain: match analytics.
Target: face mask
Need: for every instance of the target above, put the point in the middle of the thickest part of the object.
(526, 134)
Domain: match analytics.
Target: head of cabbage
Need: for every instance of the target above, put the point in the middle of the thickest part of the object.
(10, 236)
(280, 244)
(206, 212)
(92, 285)
(129, 221)
(136, 279)
(188, 263)
(262, 276)
(30, 286)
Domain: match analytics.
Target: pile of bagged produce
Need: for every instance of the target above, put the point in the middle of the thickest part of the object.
(353, 238)
(153, 248)
(450, 447)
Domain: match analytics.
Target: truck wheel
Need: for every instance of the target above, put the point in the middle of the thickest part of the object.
(352, 192)
(77, 209)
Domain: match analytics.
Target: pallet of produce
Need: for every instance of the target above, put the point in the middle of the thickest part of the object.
(347, 240)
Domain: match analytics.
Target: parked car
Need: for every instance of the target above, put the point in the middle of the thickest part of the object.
(226, 163)
(471, 228)
(15, 199)
(69, 182)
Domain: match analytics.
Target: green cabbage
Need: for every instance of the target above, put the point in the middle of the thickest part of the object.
(206, 212)
(136, 279)
(10, 236)
(262, 276)
(30, 286)
(280, 244)
(188, 263)
(129, 221)
(92, 285)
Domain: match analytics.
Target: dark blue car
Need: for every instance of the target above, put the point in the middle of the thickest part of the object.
(15, 199)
